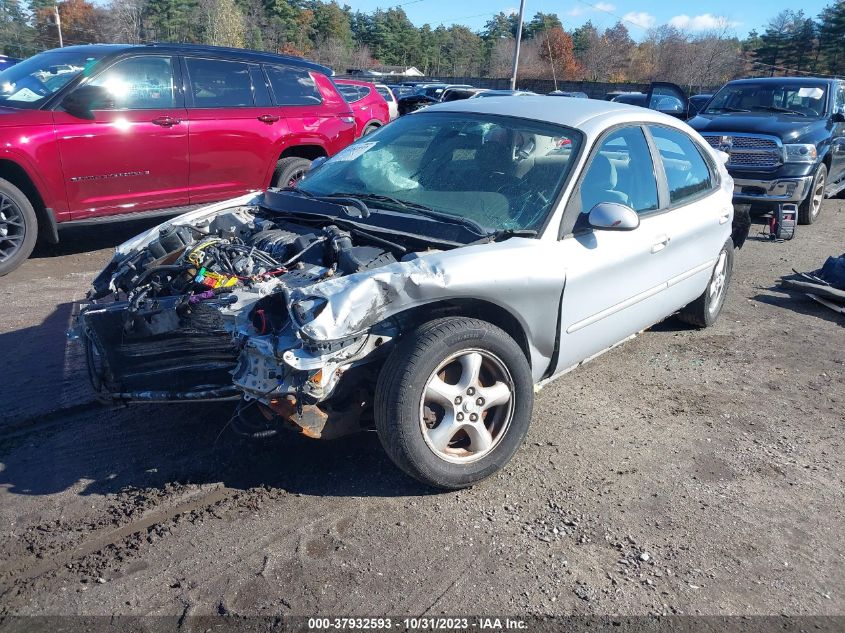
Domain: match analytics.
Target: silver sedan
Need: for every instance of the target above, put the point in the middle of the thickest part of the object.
(425, 281)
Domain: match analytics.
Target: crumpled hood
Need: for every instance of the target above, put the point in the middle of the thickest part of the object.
(790, 129)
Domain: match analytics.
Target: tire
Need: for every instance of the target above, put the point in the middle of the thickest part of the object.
(18, 227)
(437, 359)
(289, 170)
(704, 311)
(809, 209)
(369, 130)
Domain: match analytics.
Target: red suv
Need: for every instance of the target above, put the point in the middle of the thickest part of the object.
(103, 132)
(369, 107)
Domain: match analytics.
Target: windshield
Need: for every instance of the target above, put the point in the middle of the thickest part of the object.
(799, 98)
(502, 173)
(31, 82)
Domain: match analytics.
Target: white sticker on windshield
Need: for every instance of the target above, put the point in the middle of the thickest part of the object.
(353, 151)
(812, 93)
(24, 94)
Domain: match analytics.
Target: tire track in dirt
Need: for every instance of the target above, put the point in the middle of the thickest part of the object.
(21, 571)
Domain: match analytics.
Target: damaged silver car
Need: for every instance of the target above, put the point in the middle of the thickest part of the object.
(424, 282)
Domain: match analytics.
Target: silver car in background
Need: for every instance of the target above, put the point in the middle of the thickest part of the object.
(424, 281)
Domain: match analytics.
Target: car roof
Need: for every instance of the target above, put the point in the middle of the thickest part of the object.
(239, 54)
(355, 82)
(584, 114)
(780, 80)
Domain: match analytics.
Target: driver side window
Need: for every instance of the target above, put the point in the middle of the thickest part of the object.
(621, 171)
(139, 83)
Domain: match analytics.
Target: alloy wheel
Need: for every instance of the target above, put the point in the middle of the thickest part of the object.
(818, 194)
(12, 228)
(467, 406)
(718, 283)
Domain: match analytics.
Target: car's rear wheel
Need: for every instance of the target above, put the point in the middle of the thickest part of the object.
(18, 227)
(290, 170)
(704, 311)
(454, 402)
(369, 130)
(809, 209)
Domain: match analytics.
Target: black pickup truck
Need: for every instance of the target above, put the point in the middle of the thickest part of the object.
(785, 137)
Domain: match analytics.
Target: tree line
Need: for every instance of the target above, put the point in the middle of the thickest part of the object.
(336, 35)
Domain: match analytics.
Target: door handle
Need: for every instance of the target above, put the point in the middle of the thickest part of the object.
(348, 119)
(165, 121)
(723, 219)
(268, 118)
(661, 243)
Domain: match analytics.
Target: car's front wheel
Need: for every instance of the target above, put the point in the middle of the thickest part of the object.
(454, 402)
(18, 227)
(290, 170)
(704, 311)
(809, 209)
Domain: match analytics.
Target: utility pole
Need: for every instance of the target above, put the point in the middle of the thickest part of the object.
(58, 25)
(518, 42)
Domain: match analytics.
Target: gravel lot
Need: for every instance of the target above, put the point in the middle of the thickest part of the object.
(690, 472)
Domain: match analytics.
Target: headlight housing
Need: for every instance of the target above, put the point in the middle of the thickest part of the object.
(800, 153)
(308, 309)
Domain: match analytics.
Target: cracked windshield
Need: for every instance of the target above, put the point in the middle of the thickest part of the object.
(502, 173)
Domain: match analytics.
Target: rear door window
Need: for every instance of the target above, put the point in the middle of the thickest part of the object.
(293, 86)
(687, 173)
(219, 84)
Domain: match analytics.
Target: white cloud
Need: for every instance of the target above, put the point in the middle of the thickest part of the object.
(702, 22)
(640, 18)
(581, 9)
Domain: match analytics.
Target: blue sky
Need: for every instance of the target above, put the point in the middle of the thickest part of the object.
(740, 15)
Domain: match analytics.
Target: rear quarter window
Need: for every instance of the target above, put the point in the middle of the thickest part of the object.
(293, 86)
(688, 174)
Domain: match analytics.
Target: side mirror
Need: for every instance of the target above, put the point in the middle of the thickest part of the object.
(84, 99)
(838, 117)
(613, 216)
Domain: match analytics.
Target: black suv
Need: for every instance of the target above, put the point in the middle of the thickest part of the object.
(785, 138)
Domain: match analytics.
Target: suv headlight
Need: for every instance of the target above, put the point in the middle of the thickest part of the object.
(800, 152)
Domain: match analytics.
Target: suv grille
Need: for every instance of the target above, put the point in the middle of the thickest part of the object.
(747, 151)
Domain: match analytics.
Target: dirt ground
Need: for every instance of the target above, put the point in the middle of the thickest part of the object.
(686, 472)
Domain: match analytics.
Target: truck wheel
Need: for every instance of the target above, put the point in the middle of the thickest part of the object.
(18, 227)
(289, 171)
(809, 209)
(704, 311)
(453, 402)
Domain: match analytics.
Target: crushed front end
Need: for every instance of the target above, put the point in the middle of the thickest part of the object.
(210, 306)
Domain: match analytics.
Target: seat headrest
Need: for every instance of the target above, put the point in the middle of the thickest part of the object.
(602, 174)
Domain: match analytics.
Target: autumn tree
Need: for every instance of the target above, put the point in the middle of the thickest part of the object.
(223, 23)
(557, 50)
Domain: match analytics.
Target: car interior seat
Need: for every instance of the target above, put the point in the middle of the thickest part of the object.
(599, 184)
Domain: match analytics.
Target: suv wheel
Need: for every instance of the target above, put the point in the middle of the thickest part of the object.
(290, 170)
(18, 227)
(454, 402)
(704, 311)
(808, 210)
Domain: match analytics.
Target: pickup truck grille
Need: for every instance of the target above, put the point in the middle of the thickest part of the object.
(748, 151)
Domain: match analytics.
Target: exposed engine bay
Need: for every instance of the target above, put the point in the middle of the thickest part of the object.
(204, 312)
